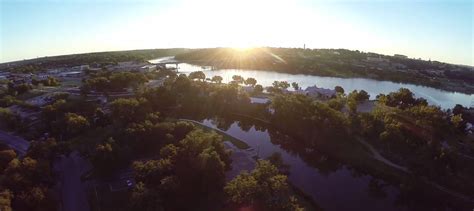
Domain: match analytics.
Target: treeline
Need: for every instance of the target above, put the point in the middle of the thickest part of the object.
(94, 59)
(112, 81)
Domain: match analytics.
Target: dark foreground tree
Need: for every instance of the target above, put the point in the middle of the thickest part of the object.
(264, 188)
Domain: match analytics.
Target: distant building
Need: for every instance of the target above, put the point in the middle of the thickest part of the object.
(148, 68)
(400, 56)
(301, 92)
(80, 67)
(377, 59)
(258, 100)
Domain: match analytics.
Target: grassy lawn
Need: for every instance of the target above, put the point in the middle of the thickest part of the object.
(236, 142)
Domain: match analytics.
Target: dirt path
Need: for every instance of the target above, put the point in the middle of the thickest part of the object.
(379, 157)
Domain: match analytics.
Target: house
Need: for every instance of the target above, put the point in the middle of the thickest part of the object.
(248, 89)
(300, 91)
(148, 68)
(258, 100)
(400, 56)
(314, 91)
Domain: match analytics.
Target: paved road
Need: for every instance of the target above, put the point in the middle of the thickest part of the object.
(73, 190)
(19, 144)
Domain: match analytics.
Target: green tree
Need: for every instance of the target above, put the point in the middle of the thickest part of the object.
(129, 110)
(75, 123)
(217, 79)
(237, 79)
(339, 90)
(282, 85)
(197, 75)
(457, 121)
(295, 86)
(250, 81)
(258, 89)
(264, 187)
(5, 157)
(6, 197)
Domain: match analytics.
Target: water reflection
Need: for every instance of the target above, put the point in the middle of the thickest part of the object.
(333, 185)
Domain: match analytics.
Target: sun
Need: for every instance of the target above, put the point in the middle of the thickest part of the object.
(242, 48)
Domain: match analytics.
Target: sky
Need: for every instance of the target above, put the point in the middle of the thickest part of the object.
(437, 30)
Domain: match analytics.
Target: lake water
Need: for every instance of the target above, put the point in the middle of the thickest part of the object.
(333, 186)
(444, 99)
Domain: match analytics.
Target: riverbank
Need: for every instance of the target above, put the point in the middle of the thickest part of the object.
(366, 159)
(243, 148)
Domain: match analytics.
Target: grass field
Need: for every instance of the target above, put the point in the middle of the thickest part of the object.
(236, 142)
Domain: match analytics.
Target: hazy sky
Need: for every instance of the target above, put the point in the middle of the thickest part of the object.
(440, 30)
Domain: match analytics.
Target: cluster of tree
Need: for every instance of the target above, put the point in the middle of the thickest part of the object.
(27, 68)
(411, 133)
(49, 81)
(107, 82)
(18, 89)
(279, 86)
(26, 182)
(460, 116)
(66, 118)
(402, 99)
(308, 119)
(191, 170)
(198, 75)
(95, 59)
(262, 189)
(355, 98)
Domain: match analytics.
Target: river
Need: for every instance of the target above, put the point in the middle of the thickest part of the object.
(444, 99)
(332, 185)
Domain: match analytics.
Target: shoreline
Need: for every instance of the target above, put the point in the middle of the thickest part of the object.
(444, 87)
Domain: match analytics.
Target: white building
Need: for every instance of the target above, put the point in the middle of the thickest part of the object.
(258, 100)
